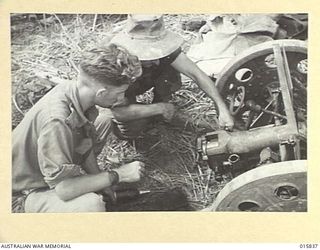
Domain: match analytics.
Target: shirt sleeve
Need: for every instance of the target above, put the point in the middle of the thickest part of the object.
(55, 151)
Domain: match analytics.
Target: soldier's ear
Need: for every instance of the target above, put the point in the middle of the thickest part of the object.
(100, 92)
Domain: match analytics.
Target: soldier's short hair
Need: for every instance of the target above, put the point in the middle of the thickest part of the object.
(111, 64)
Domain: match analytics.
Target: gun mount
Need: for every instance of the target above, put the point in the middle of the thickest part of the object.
(266, 91)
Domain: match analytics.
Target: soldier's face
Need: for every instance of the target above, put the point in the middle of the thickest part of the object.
(111, 96)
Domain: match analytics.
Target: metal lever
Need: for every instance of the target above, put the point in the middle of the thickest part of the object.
(254, 107)
(286, 91)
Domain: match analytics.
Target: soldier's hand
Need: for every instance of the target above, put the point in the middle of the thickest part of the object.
(130, 172)
(168, 111)
(226, 121)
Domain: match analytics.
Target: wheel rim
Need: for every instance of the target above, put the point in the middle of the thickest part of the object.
(255, 70)
(275, 187)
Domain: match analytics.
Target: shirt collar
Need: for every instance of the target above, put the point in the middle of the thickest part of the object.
(77, 117)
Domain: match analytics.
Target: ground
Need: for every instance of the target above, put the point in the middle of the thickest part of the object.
(46, 49)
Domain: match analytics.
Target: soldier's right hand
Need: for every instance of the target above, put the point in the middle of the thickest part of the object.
(130, 172)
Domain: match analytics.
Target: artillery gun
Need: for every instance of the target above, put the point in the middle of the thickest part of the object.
(265, 88)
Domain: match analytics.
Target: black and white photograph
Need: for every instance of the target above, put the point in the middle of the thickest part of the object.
(159, 112)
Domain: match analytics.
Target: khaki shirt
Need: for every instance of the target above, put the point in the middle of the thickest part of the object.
(52, 141)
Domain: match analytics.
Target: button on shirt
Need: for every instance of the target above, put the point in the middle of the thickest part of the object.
(52, 141)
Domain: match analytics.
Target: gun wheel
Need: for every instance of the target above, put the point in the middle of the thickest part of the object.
(277, 187)
(255, 72)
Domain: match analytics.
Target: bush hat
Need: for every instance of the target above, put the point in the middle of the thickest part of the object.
(146, 37)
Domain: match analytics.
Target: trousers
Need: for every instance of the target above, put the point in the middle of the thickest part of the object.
(47, 201)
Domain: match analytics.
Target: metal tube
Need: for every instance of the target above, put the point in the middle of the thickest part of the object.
(248, 141)
(285, 82)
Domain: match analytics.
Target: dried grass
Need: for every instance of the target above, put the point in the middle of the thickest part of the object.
(53, 47)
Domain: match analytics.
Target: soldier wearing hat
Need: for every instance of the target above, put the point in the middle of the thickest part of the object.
(159, 51)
